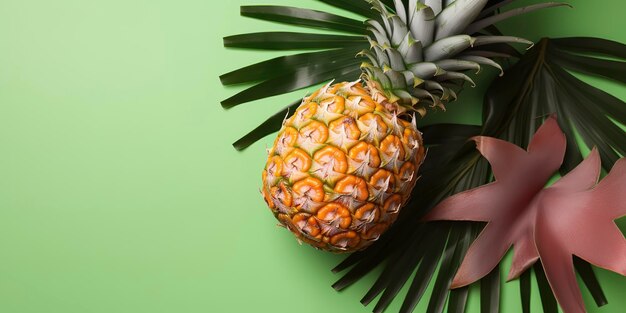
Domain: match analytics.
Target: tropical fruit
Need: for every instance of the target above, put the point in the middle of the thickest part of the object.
(341, 168)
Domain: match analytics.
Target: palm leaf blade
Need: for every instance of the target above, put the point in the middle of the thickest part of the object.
(290, 63)
(547, 298)
(272, 124)
(524, 287)
(304, 17)
(401, 271)
(590, 280)
(426, 270)
(458, 243)
(291, 41)
(458, 300)
(478, 25)
(490, 292)
(593, 66)
(304, 77)
(358, 7)
(592, 45)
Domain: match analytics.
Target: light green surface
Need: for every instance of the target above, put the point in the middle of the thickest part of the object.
(119, 190)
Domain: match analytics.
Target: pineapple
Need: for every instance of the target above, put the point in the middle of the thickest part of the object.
(341, 168)
(346, 162)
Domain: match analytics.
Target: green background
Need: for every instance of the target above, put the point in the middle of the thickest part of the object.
(119, 189)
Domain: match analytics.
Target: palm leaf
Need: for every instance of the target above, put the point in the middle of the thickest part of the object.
(359, 7)
(480, 24)
(303, 77)
(524, 287)
(304, 17)
(547, 298)
(490, 292)
(281, 65)
(267, 127)
(542, 82)
(539, 84)
(291, 41)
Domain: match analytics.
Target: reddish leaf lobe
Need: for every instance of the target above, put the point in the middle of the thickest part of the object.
(574, 216)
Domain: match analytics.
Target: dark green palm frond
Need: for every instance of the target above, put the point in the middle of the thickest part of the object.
(333, 56)
(286, 64)
(266, 127)
(330, 56)
(291, 41)
(543, 83)
(490, 20)
(539, 84)
(304, 17)
(303, 77)
(359, 7)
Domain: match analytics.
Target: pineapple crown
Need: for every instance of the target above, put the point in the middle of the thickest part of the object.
(418, 54)
(411, 54)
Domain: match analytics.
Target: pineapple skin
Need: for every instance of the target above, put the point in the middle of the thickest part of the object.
(341, 168)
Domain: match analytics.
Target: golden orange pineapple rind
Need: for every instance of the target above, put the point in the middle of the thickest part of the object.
(341, 168)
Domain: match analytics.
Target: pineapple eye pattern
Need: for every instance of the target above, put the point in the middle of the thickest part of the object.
(338, 174)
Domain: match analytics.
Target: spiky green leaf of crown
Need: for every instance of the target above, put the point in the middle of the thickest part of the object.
(419, 53)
